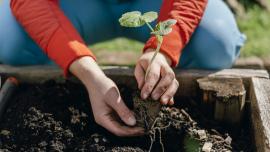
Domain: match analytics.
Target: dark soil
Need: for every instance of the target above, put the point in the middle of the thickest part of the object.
(57, 117)
(145, 116)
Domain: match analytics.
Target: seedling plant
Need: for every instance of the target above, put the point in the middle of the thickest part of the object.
(137, 19)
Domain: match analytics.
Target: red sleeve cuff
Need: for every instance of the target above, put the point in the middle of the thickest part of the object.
(171, 46)
(64, 51)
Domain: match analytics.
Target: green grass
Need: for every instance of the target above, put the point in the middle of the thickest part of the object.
(256, 26)
(119, 45)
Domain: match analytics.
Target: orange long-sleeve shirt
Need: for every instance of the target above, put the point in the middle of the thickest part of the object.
(47, 25)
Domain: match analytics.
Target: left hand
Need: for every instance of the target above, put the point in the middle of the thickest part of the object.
(160, 82)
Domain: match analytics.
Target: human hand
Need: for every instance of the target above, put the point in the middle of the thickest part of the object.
(160, 82)
(106, 101)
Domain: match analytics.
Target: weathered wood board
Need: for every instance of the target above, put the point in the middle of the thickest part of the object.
(227, 96)
(260, 112)
(124, 75)
(249, 63)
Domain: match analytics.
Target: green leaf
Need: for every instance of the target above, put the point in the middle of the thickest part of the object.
(150, 16)
(164, 28)
(132, 19)
(191, 144)
(168, 23)
(162, 32)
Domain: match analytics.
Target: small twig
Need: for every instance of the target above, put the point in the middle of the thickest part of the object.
(187, 115)
(155, 121)
(152, 138)
(176, 120)
(162, 128)
(160, 140)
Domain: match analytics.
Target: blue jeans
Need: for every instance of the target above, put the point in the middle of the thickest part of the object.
(215, 44)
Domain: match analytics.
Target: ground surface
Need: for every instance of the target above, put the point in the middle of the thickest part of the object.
(53, 117)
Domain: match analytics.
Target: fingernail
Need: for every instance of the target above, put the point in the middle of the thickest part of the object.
(145, 95)
(171, 102)
(164, 101)
(131, 121)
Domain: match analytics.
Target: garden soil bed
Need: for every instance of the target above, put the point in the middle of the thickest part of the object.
(57, 117)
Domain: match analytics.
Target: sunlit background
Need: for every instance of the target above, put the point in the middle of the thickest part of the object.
(253, 17)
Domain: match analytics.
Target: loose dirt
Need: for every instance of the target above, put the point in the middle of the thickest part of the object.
(57, 117)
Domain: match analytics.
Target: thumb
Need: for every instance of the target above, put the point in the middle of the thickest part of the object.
(124, 113)
(116, 102)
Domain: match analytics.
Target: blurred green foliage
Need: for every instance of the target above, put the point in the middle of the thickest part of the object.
(256, 26)
(119, 44)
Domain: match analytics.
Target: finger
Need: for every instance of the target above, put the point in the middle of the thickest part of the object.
(166, 80)
(116, 128)
(124, 113)
(151, 81)
(139, 75)
(168, 95)
(115, 101)
(171, 102)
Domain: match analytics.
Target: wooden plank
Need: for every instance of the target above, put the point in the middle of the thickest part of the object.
(249, 63)
(226, 96)
(124, 76)
(260, 112)
(266, 61)
(243, 73)
(53, 71)
(32, 74)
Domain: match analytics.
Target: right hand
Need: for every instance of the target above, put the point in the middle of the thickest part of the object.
(105, 99)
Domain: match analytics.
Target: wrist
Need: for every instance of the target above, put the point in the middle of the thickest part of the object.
(87, 70)
(167, 58)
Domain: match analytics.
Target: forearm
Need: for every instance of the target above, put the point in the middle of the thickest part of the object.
(47, 25)
(168, 59)
(87, 70)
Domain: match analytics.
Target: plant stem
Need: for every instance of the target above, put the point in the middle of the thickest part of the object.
(159, 39)
(154, 56)
(150, 27)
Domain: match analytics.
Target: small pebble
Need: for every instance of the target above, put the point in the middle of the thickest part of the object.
(5, 132)
(228, 140)
(96, 140)
(43, 144)
(83, 114)
(201, 134)
(104, 140)
(207, 147)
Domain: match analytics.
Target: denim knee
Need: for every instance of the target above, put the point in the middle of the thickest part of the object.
(21, 56)
(216, 43)
(212, 48)
(16, 47)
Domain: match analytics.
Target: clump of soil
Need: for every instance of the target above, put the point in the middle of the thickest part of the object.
(145, 111)
(57, 117)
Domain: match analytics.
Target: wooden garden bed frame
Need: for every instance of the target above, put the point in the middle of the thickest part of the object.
(256, 82)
